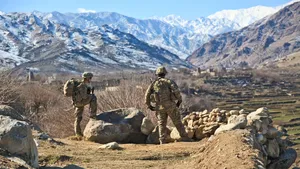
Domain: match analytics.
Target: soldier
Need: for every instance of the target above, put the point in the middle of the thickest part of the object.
(84, 95)
(165, 93)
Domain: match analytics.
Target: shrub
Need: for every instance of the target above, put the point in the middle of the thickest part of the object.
(130, 93)
(47, 107)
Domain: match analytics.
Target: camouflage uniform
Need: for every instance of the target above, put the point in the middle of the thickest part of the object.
(165, 93)
(82, 97)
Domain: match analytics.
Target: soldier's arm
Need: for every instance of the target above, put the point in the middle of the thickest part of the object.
(174, 88)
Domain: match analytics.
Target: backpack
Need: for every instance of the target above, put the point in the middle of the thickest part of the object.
(70, 87)
(162, 91)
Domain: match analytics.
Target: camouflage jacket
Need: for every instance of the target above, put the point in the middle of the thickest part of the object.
(164, 92)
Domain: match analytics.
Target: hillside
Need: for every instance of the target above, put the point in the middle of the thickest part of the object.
(8, 60)
(292, 60)
(260, 43)
(52, 47)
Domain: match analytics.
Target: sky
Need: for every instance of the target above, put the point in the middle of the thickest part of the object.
(187, 9)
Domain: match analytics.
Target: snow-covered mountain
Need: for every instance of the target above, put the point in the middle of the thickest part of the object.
(177, 39)
(173, 33)
(26, 35)
(257, 45)
(54, 47)
(8, 60)
(245, 17)
(201, 25)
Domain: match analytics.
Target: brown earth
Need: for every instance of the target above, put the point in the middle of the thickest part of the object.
(227, 150)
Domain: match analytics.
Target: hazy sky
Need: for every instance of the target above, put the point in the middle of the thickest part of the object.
(188, 9)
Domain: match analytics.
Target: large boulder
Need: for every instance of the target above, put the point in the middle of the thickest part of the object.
(147, 126)
(120, 125)
(16, 138)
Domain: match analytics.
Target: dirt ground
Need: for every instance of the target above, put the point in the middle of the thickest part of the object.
(205, 154)
(83, 154)
(225, 151)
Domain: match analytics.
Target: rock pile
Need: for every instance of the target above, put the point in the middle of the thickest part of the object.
(199, 125)
(275, 149)
(266, 136)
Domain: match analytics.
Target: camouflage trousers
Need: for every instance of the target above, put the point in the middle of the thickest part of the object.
(162, 116)
(79, 108)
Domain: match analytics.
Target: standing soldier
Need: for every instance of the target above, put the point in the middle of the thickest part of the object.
(165, 93)
(84, 95)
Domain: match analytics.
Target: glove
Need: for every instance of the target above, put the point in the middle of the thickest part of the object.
(178, 103)
(151, 108)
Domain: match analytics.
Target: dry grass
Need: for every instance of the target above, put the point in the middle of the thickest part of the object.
(47, 107)
(9, 91)
(130, 93)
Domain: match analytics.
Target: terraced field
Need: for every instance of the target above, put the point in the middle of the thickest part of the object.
(282, 98)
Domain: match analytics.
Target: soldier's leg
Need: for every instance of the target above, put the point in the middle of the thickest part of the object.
(93, 107)
(78, 118)
(176, 119)
(162, 124)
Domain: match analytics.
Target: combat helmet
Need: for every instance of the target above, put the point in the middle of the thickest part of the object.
(87, 75)
(161, 70)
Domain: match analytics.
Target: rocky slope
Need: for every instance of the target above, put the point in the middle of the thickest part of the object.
(8, 60)
(260, 43)
(179, 39)
(173, 33)
(54, 47)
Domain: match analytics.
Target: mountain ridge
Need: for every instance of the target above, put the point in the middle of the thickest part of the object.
(256, 45)
(43, 42)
